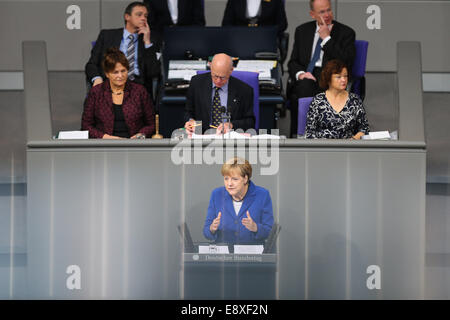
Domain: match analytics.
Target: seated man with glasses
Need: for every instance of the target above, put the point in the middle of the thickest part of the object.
(210, 94)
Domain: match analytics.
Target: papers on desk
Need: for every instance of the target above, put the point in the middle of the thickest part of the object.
(264, 75)
(380, 135)
(238, 249)
(229, 135)
(252, 65)
(213, 249)
(187, 65)
(233, 135)
(73, 135)
(185, 69)
(181, 74)
(263, 67)
(248, 249)
(265, 136)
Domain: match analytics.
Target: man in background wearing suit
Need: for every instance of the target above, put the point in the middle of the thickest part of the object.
(174, 12)
(209, 91)
(254, 13)
(317, 42)
(134, 41)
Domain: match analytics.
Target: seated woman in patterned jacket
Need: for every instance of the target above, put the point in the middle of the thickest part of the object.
(336, 113)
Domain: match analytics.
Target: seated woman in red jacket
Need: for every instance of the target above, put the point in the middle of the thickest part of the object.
(118, 108)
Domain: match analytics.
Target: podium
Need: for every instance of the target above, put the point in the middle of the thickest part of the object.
(230, 276)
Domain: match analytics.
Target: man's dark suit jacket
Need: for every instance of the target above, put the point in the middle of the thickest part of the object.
(272, 13)
(341, 46)
(190, 12)
(148, 65)
(240, 102)
(98, 114)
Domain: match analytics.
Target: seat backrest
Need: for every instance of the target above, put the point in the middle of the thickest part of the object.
(359, 68)
(251, 78)
(359, 64)
(303, 107)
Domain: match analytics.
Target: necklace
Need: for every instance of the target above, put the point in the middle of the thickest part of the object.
(242, 197)
(117, 93)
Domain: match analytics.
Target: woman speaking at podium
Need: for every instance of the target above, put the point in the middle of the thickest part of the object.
(240, 211)
(118, 108)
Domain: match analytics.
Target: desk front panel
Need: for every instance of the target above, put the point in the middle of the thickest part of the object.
(114, 211)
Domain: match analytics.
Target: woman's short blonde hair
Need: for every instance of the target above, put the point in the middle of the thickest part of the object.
(239, 165)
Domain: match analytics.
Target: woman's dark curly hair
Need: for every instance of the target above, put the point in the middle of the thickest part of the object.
(332, 67)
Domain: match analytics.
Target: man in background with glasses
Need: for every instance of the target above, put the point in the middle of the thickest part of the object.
(212, 94)
(316, 42)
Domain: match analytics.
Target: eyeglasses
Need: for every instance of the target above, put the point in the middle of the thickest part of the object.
(216, 77)
(322, 12)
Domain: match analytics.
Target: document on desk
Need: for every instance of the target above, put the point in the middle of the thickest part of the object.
(264, 75)
(70, 135)
(203, 136)
(181, 74)
(256, 64)
(377, 135)
(265, 136)
(235, 135)
(263, 67)
(187, 65)
(213, 249)
(229, 135)
(382, 135)
(248, 249)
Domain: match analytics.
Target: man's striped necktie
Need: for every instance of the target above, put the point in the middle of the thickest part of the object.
(131, 51)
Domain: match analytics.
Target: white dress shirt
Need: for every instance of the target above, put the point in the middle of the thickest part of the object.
(173, 8)
(316, 38)
(253, 7)
(237, 206)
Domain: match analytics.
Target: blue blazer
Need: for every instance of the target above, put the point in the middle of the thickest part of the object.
(231, 230)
